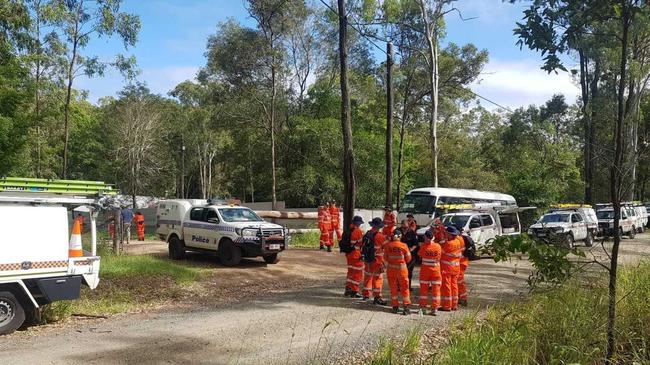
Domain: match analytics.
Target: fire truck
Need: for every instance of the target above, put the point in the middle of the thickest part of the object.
(37, 264)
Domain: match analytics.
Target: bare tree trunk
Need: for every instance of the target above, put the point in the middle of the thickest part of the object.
(349, 188)
(432, 44)
(68, 95)
(586, 118)
(273, 177)
(389, 124)
(615, 185)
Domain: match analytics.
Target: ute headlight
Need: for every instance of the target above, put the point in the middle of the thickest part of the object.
(559, 229)
(249, 232)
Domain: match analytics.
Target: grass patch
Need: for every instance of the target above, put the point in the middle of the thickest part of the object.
(564, 325)
(121, 266)
(391, 352)
(306, 240)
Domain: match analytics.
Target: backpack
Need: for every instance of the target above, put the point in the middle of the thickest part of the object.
(368, 248)
(345, 244)
(470, 247)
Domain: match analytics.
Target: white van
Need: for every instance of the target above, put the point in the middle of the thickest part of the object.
(626, 225)
(425, 203)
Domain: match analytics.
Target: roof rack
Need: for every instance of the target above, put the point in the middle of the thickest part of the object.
(43, 187)
(570, 206)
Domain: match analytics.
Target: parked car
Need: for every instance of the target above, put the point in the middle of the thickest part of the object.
(566, 226)
(626, 225)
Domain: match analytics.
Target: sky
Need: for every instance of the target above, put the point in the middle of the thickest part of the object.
(174, 33)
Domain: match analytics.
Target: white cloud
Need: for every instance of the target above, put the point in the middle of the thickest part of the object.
(521, 83)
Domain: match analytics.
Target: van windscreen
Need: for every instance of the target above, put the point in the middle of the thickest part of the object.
(418, 204)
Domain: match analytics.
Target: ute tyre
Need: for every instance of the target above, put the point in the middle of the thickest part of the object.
(176, 248)
(272, 259)
(569, 241)
(229, 254)
(632, 233)
(589, 241)
(12, 314)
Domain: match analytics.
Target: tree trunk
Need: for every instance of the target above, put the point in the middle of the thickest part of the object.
(66, 107)
(615, 185)
(389, 124)
(586, 120)
(346, 122)
(272, 122)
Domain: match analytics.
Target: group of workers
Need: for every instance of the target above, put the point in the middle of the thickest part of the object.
(127, 218)
(329, 222)
(392, 250)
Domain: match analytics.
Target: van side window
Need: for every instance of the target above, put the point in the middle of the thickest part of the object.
(486, 220)
(196, 214)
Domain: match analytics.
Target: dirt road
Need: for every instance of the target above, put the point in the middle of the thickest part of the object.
(309, 323)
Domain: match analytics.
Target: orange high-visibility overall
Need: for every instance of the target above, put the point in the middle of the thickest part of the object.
(325, 226)
(335, 214)
(387, 231)
(373, 280)
(452, 251)
(430, 275)
(396, 256)
(462, 288)
(139, 225)
(390, 221)
(355, 265)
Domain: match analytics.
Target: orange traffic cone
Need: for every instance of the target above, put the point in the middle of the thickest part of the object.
(75, 249)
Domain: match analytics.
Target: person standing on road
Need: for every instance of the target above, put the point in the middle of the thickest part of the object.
(410, 238)
(412, 223)
(127, 218)
(390, 220)
(397, 256)
(355, 264)
(139, 225)
(430, 276)
(323, 224)
(335, 215)
(452, 251)
(373, 256)
(469, 252)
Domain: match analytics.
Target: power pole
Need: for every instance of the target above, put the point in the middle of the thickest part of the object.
(183, 172)
(389, 124)
(349, 188)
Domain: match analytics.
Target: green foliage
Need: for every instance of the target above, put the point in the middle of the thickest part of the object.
(121, 266)
(561, 326)
(393, 352)
(306, 240)
(553, 263)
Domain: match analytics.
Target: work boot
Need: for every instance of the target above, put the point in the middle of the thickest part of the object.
(329, 248)
(444, 309)
(433, 313)
(347, 292)
(405, 310)
(395, 310)
(380, 301)
(322, 247)
(365, 298)
(354, 295)
(463, 302)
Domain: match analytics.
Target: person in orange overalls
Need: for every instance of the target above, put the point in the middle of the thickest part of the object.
(325, 226)
(138, 218)
(397, 255)
(390, 220)
(452, 251)
(373, 280)
(464, 264)
(355, 264)
(430, 275)
(412, 223)
(335, 215)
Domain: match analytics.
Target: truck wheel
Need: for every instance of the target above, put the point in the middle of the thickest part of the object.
(632, 233)
(12, 314)
(176, 248)
(272, 258)
(589, 241)
(568, 241)
(229, 254)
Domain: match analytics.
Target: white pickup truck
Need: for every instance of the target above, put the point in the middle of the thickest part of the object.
(566, 226)
(36, 265)
(230, 231)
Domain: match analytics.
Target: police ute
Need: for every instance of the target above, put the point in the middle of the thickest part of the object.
(230, 231)
(41, 261)
(566, 224)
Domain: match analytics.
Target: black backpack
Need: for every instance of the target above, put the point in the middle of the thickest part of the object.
(345, 244)
(470, 247)
(368, 248)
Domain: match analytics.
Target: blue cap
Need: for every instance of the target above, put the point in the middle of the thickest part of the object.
(377, 222)
(357, 220)
(452, 230)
